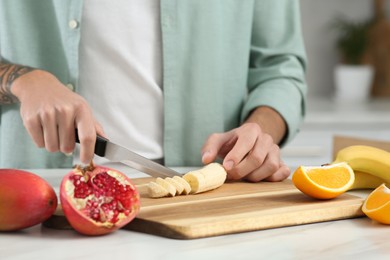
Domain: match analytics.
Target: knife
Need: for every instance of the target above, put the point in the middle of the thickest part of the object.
(117, 153)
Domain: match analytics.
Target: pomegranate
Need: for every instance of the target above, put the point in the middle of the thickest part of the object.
(26, 199)
(97, 200)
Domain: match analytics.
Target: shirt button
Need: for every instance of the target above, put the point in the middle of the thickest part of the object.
(70, 86)
(73, 24)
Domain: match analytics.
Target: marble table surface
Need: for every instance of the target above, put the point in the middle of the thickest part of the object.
(358, 238)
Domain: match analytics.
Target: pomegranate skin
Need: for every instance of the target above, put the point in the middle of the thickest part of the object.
(75, 214)
(26, 199)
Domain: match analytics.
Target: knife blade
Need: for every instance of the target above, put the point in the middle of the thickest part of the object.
(117, 153)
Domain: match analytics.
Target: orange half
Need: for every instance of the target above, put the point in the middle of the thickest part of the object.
(377, 205)
(324, 182)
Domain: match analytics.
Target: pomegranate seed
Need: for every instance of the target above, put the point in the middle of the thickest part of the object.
(111, 196)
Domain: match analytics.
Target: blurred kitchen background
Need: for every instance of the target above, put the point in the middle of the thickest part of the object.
(320, 37)
(349, 87)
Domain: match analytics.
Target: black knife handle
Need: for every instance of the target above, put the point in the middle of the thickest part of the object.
(100, 145)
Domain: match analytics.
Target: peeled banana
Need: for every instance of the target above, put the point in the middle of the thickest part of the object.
(184, 183)
(207, 178)
(167, 185)
(156, 191)
(371, 165)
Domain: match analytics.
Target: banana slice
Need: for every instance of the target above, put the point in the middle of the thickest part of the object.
(208, 178)
(156, 191)
(168, 186)
(178, 186)
(186, 185)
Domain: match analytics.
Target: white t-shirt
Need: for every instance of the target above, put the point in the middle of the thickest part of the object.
(121, 72)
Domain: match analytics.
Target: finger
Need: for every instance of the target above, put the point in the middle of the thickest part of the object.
(213, 145)
(66, 132)
(50, 130)
(87, 135)
(268, 168)
(254, 159)
(242, 147)
(100, 130)
(281, 174)
(34, 128)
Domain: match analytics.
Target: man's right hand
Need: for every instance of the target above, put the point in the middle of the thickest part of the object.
(51, 112)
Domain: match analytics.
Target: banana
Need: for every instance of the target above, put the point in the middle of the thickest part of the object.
(167, 185)
(179, 188)
(365, 180)
(366, 159)
(184, 183)
(209, 177)
(156, 191)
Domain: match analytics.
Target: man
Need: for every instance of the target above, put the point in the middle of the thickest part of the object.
(186, 81)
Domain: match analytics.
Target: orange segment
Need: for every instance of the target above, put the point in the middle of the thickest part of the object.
(324, 182)
(377, 205)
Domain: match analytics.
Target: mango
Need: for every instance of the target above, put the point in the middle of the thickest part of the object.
(26, 199)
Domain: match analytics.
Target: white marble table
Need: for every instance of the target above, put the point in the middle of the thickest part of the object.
(344, 239)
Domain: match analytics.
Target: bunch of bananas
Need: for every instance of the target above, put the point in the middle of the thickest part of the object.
(371, 165)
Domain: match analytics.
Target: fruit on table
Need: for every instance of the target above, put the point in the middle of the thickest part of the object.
(156, 190)
(377, 205)
(98, 200)
(186, 186)
(365, 180)
(167, 186)
(324, 182)
(26, 199)
(372, 170)
(207, 178)
(366, 159)
(178, 186)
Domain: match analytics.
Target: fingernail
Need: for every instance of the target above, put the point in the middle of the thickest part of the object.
(229, 165)
(85, 162)
(69, 154)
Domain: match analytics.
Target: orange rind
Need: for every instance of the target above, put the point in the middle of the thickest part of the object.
(377, 205)
(324, 182)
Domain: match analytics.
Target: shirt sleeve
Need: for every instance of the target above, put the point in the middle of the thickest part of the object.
(277, 63)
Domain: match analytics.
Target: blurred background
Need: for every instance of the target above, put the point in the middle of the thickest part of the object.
(348, 49)
(320, 37)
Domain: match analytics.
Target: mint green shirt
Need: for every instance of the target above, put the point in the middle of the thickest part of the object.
(221, 59)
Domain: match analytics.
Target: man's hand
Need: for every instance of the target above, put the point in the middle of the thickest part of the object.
(51, 112)
(248, 151)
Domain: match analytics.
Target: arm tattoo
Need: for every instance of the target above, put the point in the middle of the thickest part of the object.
(8, 74)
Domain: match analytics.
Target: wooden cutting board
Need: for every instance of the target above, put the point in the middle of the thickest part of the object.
(233, 208)
(237, 207)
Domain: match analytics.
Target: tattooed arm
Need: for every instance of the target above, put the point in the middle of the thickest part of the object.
(8, 74)
(49, 110)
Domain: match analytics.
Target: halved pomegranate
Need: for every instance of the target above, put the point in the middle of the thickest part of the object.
(97, 200)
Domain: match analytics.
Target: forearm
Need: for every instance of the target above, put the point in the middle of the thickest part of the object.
(8, 74)
(270, 121)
